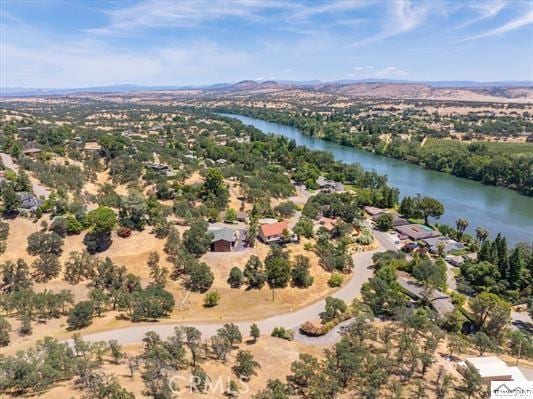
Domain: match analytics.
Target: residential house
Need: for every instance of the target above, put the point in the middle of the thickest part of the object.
(29, 202)
(448, 244)
(25, 129)
(397, 220)
(417, 231)
(92, 146)
(272, 232)
(31, 152)
(455, 260)
(491, 368)
(326, 223)
(372, 210)
(161, 168)
(329, 186)
(223, 240)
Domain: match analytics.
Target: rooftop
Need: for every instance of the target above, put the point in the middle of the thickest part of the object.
(492, 366)
(273, 229)
(224, 234)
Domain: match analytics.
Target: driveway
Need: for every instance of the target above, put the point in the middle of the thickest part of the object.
(292, 320)
(38, 189)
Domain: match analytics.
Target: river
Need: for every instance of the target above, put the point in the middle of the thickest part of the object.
(498, 209)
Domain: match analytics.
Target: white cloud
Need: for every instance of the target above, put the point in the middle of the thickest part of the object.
(484, 10)
(370, 71)
(509, 26)
(192, 13)
(402, 16)
(86, 63)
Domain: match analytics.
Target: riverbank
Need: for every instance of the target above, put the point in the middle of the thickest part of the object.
(497, 209)
(491, 166)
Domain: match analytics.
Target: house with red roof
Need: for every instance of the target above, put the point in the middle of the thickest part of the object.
(272, 232)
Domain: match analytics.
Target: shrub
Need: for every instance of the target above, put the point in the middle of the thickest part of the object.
(73, 225)
(335, 280)
(283, 333)
(211, 299)
(236, 278)
(123, 232)
(81, 315)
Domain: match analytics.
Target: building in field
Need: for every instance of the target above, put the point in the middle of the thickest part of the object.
(223, 240)
(92, 146)
(492, 368)
(271, 233)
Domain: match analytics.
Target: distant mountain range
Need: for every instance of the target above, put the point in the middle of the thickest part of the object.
(267, 84)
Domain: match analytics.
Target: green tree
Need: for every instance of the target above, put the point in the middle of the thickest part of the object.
(211, 299)
(482, 234)
(10, 198)
(333, 308)
(81, 315)
(472, 381)
(22, 183)
(254, 272)
(45, 268)
(431, 276)
(461, 225)
(301, 277)
(151, 304)
(199, 277)
(5, 328)
(430, 207)
(172, 245)
(79, 266)
(277, 268)
(231, 332)
(236, 278)
(102, 220)
(483, 342)
(133, 210)
(115, 350)
(304, 227)
(490, 313)
(99, 299)
(383, 293)
(230, 216)
(213, 190)
(384, 222)
(245, 365)
(255, 333)
(197, 239)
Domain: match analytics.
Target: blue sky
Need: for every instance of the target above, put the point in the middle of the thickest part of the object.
(92, 43)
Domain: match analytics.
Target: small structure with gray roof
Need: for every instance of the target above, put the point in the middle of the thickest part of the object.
(223, 240)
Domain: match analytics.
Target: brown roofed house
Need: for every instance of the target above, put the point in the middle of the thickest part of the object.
(272, 232)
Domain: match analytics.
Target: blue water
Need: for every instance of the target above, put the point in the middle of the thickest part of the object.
(495, 208)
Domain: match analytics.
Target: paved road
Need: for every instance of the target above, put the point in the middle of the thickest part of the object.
(292, 320)
(38, 189)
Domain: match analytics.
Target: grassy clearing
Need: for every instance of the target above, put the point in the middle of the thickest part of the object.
(506, 148)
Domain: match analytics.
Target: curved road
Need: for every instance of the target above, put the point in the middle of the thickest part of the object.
(38, 189)
(292, 320)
